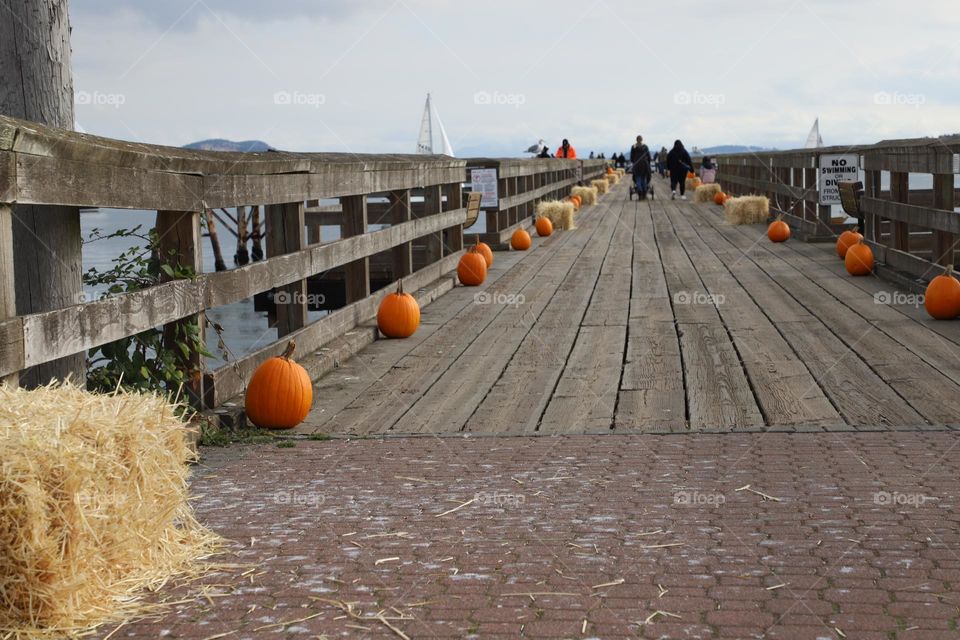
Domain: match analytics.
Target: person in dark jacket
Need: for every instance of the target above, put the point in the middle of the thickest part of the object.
(679, 163)
(545, 152)
(640, 165)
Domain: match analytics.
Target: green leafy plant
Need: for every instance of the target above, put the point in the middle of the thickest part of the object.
(158, 359)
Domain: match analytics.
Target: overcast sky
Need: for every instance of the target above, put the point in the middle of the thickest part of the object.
(351, 75)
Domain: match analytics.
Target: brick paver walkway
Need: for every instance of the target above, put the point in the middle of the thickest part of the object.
(751, 535)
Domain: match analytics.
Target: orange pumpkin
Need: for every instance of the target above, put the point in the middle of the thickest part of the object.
(720, 197)
(696, 182)
(859, 260)
(778, 231)
(544, 227)
(399, 314)
(484, 249)
(520, 240)
(691, 174)
(472, 268)
(577, 202)
(942, 298)
(846, 240)
(280, 393)
(609, 170)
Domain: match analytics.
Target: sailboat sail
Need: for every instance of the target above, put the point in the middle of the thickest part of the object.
(447, 149)
(425, 141)
(814, 141)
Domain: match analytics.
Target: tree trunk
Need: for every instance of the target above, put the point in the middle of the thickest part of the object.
(36, 83)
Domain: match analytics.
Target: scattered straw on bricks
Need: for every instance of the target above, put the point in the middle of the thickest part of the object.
(588, 195)
(600, 185)
(747, 210)
(559, 213)
(93, 508)
(706, 192)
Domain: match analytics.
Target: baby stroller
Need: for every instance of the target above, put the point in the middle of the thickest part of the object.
(641, 183)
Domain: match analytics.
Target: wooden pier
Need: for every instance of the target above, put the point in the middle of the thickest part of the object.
(651, 316)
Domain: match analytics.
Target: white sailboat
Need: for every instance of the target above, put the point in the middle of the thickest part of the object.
(814, 141)
(425, 140)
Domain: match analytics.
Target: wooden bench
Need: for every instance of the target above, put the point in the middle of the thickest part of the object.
(473, 208)
(850, 194)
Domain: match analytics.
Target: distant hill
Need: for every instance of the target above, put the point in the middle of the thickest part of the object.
(219, 144)
(733, 148)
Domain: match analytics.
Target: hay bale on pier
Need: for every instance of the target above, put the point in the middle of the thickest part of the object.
(693, 183)
(600, 185)
(747, 210)
(93, 506)
(588, 195)
(706, 192)
(613, 178)
(557, 212)
(621, 171)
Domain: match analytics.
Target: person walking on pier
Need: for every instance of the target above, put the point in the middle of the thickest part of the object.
(662, 162)
(640, 165)
(566, 151)
(708, 171)
(679, 163)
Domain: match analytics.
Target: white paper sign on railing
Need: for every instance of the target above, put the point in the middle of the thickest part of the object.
(485, 181)
(836, 168)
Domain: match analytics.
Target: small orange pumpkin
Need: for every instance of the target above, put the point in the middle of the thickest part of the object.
(942, 298)
(577, 202)
(859, 260)
(719, 198)
(484, 249)
(472, 268)
(778, 231)
(696, 182)
(846, 240)
(544, 227)
(280, 393)
(691, 174)
(521, 240)
(399, 314)
(609, 170)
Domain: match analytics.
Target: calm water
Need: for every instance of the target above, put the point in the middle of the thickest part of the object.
(244, 330)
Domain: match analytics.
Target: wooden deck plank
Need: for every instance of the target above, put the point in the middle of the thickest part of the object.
(521, 394)
(718, 392)
(786, 392)
(922, 387)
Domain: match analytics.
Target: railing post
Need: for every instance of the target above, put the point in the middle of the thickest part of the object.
(285, 234)
(400, 212)
(432, 205)
(943, 198)
(356, 273)
(899, 192)
(810, 185)
(454, 235)
(179, 235)
(8, 292)
(503, 219)
(871, 189)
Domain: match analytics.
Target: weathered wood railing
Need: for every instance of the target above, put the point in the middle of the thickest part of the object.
(423, 241)
(520, 184)
(912, 229)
